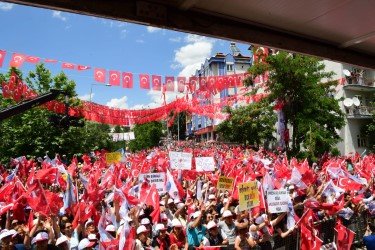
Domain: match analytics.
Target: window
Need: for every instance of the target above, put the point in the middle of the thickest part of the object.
(361, 141)
(229, 67)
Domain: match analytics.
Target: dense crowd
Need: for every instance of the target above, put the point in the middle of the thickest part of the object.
(89, 204)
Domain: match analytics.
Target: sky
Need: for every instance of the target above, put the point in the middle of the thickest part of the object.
(104, 43)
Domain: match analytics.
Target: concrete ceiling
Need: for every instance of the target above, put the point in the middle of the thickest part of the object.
(339, 30)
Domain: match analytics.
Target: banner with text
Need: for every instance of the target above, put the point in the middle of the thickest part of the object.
(225, 184)
(248, 195)
(277, 201)
(180, 160)
(155, 178)
(111, 158)
(204, 164)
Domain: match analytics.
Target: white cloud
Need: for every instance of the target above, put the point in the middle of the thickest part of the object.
(157, 99)
(118, 102)
(151, 29)
(175, 39)
(58, 15)
(6, 6)
(191, 56)
(192, 38)
(86, 97)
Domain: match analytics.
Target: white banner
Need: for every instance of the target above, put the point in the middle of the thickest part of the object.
(180, 160)
(122, 136)
(155, 178)
(204, 164)
(277, 201)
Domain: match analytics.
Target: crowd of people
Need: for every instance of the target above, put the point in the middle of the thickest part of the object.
(89, 204)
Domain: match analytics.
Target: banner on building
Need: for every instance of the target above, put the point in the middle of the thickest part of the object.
(225, 184)
(180, 160)
(122, 136)
(114, 157)
(248, 195)
(277, 201)
(204, 164)
(154, 178)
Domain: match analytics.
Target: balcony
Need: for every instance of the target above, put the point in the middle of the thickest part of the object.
(359, 84)
(361, 112)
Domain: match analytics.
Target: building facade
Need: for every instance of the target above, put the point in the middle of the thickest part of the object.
(202, 127)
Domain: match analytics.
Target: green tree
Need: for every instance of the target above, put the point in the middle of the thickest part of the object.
(252, 124)
(146, 136)
(32, 134)
(179, 123)
(313, 114)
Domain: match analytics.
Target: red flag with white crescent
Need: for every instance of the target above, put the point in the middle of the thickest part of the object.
(82, 67)
(50, 60)
(66, 65)
(114, 77)
(169, 83)
(156, 82)
(192, 83)
(99, 75)
(2, 57)
(127, 80)
(17, 60)
(144, 81)
(32, 59)
(344, 237)
(181, 81)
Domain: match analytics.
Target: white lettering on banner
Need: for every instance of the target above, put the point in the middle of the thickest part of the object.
(277, 201)
(155, 178)
(180, 160)
(204, 164)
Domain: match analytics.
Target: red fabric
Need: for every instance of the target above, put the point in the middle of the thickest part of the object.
(50, 60)
(306, 238)
(114, 77)
(47, 175)
(169, 83)
(17, 60)
(30, 221)
(127, 80)
(66, 65)
(181, 81)
(5, 208)
(348, 184)
(32, 59)
(156, 82)
(144, 81)
(100, 75)
(130, 239)
(193, 80)
(2, 57)
(154, 201)
(82, 67)
(344, 237)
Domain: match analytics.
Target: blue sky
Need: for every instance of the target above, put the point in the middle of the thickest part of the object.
(104, 43)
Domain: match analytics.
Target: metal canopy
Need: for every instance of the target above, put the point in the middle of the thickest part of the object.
(339, 30)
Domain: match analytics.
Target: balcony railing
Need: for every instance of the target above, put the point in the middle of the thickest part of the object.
(360, 112)
(359, 81)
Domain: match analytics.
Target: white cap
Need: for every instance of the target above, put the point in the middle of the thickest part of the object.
(211, 197)
(145, 221)
(211, 224)
(60, 240)
(180, 205)
(291, 187)
(91, 237)
(163, 216)
(176, 223)
(170, 201)
(40, 237)
(110, 228)
(88, 222)
(141, 229)
(160, 227)
(227, 213)
(85, 243)
(5, 233)
(196, 214)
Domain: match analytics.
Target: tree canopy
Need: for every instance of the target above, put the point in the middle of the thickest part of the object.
(146, 136)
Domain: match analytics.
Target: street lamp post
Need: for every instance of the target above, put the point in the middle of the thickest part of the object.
(94, 84)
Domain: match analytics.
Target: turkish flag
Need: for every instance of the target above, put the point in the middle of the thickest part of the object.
(82, 67)
(156, 82)
(306, 238)
(231, 81)
(127, 80)
(144, 81)
(153, 200)
(66, 65)
(50, 60)
(181, 81)
(99, 75)
(344, 237)
(32, 59)
(114, 77)
(169, 83)
(17, 60)
(348, 184)
(192, 83)
(239, 80)
(47, 175)
(2, 57)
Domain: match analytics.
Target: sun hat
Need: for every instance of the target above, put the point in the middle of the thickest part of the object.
(145, 221)
(41, 236)
(6, 233)
(61, 240)
(211, 224)
(160, 227)
(227, 213)
(84, 243)
(141, 229)
(176, 223)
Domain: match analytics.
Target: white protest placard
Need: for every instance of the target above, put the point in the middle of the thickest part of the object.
(180, 160)
(204, 164)
(155, 178)
(277, 201)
